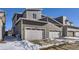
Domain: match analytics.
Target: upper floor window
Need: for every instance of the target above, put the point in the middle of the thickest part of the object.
(34, 16)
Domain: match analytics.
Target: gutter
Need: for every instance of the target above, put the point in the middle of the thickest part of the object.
(29, 20)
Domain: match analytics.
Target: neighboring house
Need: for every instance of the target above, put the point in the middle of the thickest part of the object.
(32, 25)
(2, 25)
(9, 33)
(68, 28)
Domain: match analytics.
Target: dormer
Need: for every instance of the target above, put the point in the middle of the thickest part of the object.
(33, 13)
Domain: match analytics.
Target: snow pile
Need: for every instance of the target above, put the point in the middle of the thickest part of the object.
(60, 40)
(10, 46)
(27, 45)
(77, 38)
(71, 41)
(18, 45)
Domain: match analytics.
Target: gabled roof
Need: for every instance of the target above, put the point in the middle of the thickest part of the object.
(73, 27)
(61, 18)
(50, 19)
(69, 26)
(16, 14)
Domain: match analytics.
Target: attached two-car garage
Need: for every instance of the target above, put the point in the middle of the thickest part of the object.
(37, 34)
(33, 34)
(73, 34)
(73, 31)
(54, 34)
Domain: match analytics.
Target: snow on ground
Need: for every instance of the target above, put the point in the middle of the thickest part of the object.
(13, 44)
(10, 38)
(77, 38)
(68, 39)
(18, 45)
(10, 46)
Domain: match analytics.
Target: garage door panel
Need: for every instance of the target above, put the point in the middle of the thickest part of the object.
(33, 34)
(54, 35)
(77, 34)
(70, 34)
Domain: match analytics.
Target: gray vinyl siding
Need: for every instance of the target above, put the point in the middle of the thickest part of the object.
(29, 15)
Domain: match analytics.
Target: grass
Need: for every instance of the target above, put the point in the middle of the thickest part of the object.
(65, 46)
(36, 42)
(41, 42)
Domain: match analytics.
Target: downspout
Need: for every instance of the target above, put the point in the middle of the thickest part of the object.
(64, 31)
(22, 29)
(47, 31)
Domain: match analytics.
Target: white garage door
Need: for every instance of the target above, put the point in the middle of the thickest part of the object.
(33, 34)
(54, 35)
(77, 34)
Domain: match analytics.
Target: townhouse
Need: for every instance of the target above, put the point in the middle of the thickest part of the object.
(68, 28)
(33, 25)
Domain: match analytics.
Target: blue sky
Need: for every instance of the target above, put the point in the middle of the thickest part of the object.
(71, 13)
(9, 15)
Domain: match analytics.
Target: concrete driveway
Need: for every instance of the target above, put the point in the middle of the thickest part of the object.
(10, 38)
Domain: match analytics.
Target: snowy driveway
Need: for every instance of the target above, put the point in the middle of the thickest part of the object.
(11, 43)
(10, 38)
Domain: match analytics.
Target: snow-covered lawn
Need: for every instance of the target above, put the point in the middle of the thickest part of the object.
(11, 46)
(76, 38)
(18, 45)
(11, 43)
(68, 39)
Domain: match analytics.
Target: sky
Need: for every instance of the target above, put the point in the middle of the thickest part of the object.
(71, 13)
(9, 15)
